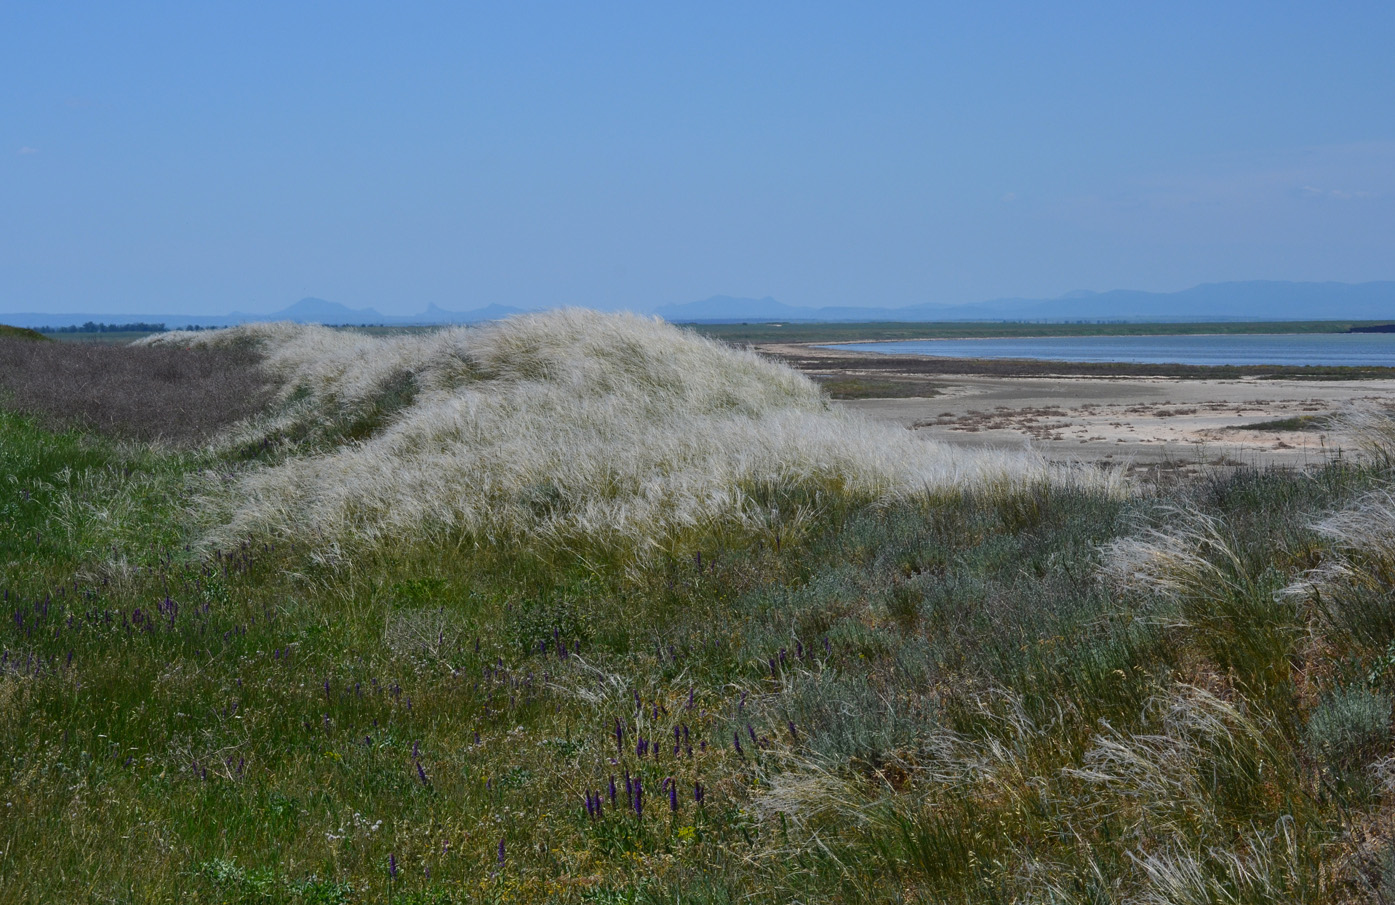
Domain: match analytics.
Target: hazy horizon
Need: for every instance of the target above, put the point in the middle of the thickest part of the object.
(202, 161)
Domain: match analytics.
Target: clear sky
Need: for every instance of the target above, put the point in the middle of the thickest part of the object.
(203, 157)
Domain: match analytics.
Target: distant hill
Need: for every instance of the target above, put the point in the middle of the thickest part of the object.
(315, 311)
(1252, 300)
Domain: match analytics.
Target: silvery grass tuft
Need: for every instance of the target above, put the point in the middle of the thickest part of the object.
(572, 424)
(1192, 557)
(1369, 430)
(1351, 588)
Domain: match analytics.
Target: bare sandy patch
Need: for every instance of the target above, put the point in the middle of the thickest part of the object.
(1145, 420)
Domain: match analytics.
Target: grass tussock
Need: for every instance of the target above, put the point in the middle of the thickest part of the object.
(568, 427)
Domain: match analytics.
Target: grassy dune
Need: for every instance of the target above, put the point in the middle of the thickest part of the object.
(395, 638)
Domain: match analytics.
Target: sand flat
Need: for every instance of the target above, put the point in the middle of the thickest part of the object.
(1147, 420)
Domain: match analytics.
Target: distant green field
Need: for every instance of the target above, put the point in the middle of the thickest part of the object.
(827, 333)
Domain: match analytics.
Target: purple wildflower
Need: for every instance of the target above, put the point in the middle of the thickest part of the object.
(501, 851)
(421, 773)
(794, 733)
(392, 867)
(699, 793)
(736, 743)
(673, 796)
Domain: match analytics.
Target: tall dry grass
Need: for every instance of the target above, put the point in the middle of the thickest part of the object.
(615, 431)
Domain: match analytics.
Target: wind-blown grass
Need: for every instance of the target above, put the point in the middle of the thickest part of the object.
(571, 427)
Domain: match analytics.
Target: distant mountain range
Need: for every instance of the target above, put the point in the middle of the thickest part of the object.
(1253, 300)
(1268, 300)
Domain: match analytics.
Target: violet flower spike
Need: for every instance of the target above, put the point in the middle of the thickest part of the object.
(392, 867)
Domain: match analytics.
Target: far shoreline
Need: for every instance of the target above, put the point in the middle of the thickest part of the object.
(833, 333)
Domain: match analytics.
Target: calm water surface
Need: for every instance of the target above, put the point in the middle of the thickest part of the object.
(1248, 349)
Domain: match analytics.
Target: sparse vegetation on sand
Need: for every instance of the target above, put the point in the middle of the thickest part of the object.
(585, 609)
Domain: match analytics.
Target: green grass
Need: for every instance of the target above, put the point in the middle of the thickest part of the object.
(8, 332)
(936, 700)
(1294, 423)
(852, 387)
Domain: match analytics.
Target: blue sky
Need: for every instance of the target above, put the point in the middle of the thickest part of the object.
(203, 157)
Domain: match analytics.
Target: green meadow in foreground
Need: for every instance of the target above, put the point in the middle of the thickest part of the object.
(554, 611)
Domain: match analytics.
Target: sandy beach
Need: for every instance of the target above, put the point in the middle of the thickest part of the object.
(1150, 421)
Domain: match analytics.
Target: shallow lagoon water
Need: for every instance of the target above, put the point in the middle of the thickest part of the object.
(1331, 349)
